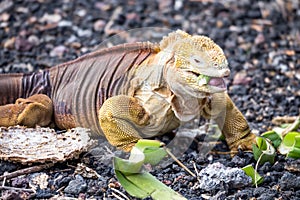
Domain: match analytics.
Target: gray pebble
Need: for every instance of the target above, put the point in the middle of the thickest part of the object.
(76, 186)
(216, 177)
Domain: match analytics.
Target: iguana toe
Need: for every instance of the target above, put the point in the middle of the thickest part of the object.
(244, 143)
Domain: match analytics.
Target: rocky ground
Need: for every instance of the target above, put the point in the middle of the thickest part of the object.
(261, 40)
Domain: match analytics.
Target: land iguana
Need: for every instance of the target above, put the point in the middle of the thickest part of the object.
(129, 91)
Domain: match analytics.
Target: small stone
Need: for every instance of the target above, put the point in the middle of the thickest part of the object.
(50, 18)
(241, 78)
(43, 194)
(244, 194)
(86, 171)
(83, 32)
(254, 14)
(34, 40)
(64, 181)
(75, 45)
(64, 23)
(239, 161)
(260, 38)
(289, 181)
(10, 43)
(6, 166)
(178, 4)
(238, 89)
(103, 6)
(22, 44)
(22, 67)
(81, 196)
(5, 5)
(81, 12)
(167, 182)
(219, 195)
(99, 25)
(76, 186)
(290, 52)
(218, 177)
(165, 6)
(72, 38)
(32, 19)
(20, 182)
(4, 17)
(39, 180)
(22, 10)
(292, 165)
(58, 51)
(219, 23)
(268, 195)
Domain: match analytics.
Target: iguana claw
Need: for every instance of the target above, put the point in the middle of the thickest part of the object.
(244, 143)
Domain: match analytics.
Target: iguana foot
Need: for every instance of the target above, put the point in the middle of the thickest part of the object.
(32, 111)
(244, 143)
(121, 118)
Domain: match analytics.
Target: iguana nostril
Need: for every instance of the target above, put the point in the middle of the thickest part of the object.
(225, 72)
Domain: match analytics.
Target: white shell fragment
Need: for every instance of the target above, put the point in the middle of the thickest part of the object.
(86, 171)
(39, 145)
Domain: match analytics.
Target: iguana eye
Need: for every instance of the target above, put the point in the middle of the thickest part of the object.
(196, 60)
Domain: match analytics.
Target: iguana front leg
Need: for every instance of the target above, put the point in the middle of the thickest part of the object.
(121, 118)
(231, 121)
(32, 111)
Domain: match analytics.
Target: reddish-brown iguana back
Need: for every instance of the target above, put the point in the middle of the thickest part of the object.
(78, 88)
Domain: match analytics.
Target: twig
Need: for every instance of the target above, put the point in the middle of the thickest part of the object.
(179, 163)
(26, 171)
(196, 170)
(227, 152)
(117, 196)
(256, 167)
(284, 119)
(291, 127)
(120, 193)
(4, 180)
(16, 189)
(60, 189)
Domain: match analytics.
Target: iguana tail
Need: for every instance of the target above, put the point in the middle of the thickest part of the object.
(14, 86)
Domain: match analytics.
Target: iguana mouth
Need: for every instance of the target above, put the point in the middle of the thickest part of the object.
(211, 81)
(217, 82)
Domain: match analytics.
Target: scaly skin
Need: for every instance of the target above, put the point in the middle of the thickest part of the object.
(129, 92)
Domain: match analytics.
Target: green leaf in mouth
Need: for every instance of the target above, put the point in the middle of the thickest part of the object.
(203, 79)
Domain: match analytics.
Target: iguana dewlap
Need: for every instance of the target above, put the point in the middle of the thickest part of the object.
(129, 91)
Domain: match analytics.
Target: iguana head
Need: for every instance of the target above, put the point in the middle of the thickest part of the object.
(199, 64)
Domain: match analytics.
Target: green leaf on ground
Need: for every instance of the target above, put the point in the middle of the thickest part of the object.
(263, 151)
(250, 171)
(152, 151)
(274, 137)
(144, 143)
(279, 131)
(133, 164)
(143, 185)
(139, 183)
(290, 145)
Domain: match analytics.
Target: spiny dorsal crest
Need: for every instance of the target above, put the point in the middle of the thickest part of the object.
(172, 38)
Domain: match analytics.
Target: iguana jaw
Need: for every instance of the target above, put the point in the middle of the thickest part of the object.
(207, 84)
